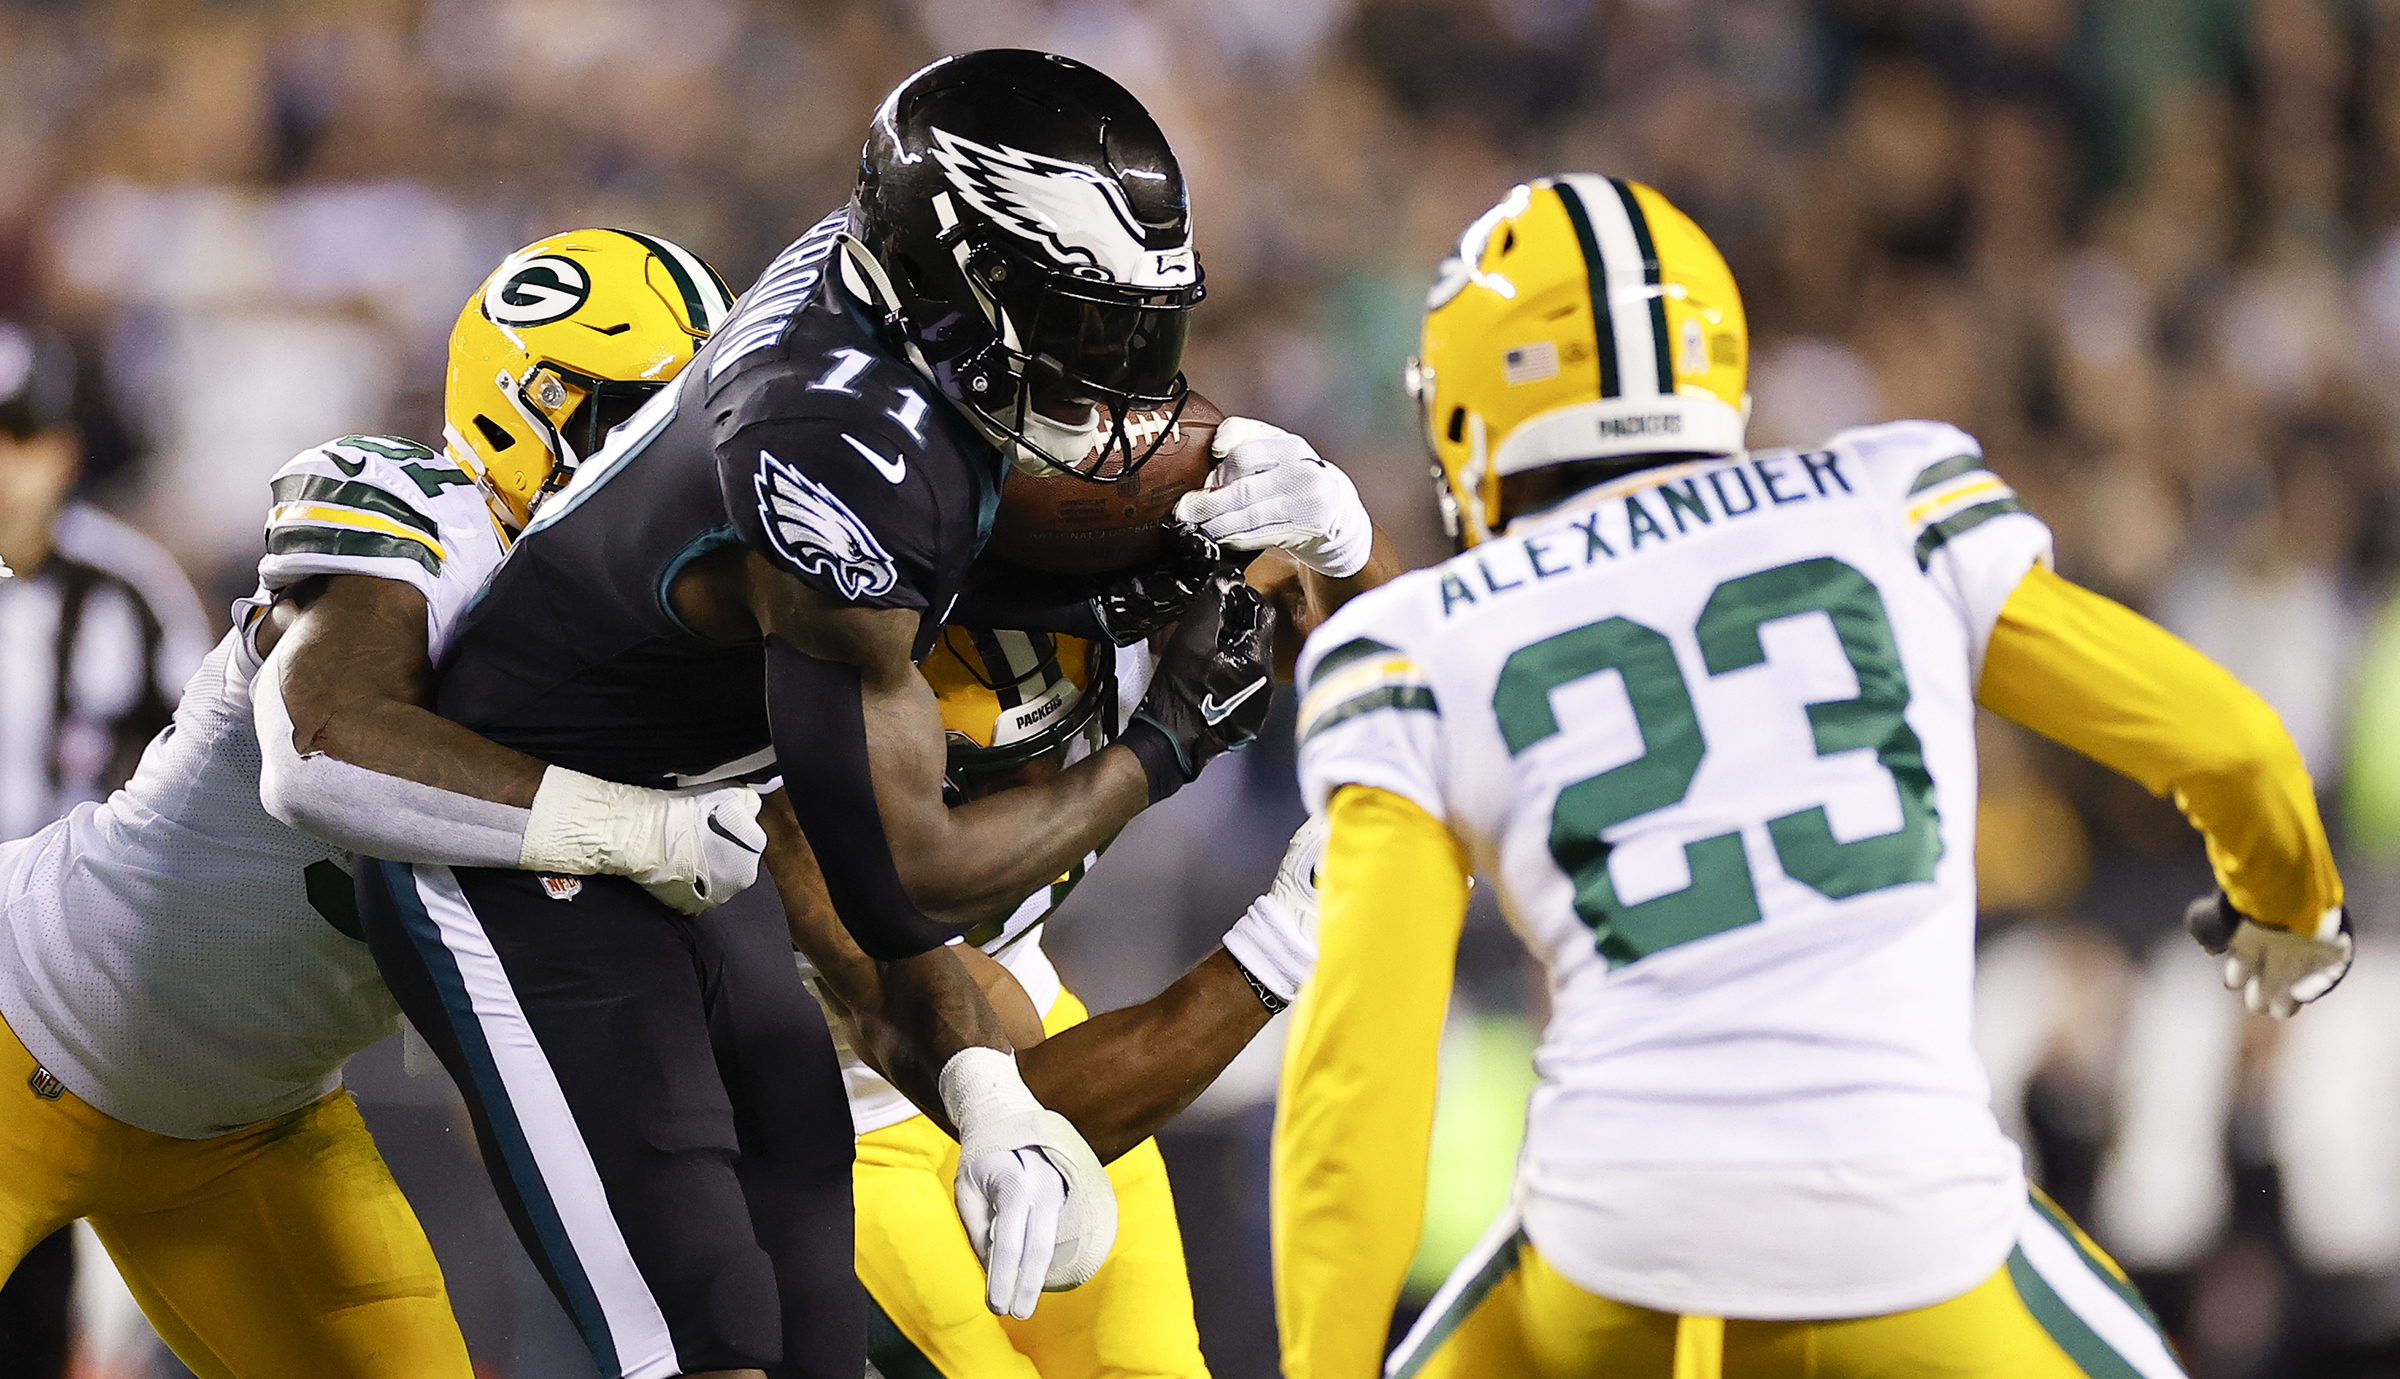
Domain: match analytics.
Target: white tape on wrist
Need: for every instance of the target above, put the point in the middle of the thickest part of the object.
(1270, 944)
(585, 826)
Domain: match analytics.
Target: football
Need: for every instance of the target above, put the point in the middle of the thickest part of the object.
(1074, 526)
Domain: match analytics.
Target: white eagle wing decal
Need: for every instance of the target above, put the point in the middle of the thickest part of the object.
(1076, 216)
(819, 533)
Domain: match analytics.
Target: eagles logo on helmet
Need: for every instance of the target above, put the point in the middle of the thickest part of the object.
(1040, 272)
(561, 343)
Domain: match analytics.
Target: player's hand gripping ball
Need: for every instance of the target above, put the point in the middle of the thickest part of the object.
(1076, 526)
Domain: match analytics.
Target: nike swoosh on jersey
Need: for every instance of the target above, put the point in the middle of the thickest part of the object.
(893, 470)
(349, 468)
(1213, 713)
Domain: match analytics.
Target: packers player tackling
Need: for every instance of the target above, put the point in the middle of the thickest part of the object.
(1705, 716)
(181, 972)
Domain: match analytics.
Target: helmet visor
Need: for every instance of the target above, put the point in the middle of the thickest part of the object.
(1097, 343)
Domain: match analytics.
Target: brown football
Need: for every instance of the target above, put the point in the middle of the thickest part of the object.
(1074, 526)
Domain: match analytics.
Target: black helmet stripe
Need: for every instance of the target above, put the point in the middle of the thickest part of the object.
(1595, 271)
(1658, 301)
(706, 304)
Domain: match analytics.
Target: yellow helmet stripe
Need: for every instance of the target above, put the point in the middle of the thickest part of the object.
(1595, 271)
(705, 298)
(1650, 279)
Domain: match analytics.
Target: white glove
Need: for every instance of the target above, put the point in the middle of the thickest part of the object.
(1271, 489)
(1036, 1203)
(2276, 970)
(691, 851)
(713, 847)
(1275, 940)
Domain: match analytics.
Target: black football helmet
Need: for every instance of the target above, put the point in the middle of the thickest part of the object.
(1034, 239)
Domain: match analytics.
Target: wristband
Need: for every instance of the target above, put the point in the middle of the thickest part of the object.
(1275, 1004)
(1151, 746)
(584, 826)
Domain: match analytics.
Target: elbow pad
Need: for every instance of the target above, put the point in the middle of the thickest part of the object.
(818, 717)
(369, 812)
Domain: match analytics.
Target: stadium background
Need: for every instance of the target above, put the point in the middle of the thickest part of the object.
(2148, 250)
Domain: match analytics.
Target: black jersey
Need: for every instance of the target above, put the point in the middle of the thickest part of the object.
(795, 432)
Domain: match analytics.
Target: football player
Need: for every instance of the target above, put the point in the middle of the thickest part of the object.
(1706, 717)
(182, 975)
(1017, 706)
(794, 513)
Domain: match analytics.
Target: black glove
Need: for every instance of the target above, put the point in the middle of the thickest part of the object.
(1213, 686)
(1132, 606)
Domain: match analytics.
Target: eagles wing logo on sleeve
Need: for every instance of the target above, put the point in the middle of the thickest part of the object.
(819, 533)
(1078, 217)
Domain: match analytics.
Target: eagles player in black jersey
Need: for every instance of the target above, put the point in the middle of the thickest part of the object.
(796, 512)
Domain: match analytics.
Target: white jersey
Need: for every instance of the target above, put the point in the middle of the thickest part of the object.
(176, 956)
(1710, 729)
(1014, 941)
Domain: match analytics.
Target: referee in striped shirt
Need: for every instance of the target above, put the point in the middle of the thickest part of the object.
(98, 631)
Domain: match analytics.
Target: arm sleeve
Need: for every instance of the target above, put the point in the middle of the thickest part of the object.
(817, 714)
(369, 812)
(1356, 1113)
(2096, 676)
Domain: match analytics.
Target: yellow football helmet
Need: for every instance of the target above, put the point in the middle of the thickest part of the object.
(1582, 318)
(562, 342)
(1010, 697)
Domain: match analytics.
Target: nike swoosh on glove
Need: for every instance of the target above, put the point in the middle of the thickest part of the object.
(713, 846)
(1214, 681)
(1037, 1205)
(1275, 940)
(2276, 970)
(1271, 488)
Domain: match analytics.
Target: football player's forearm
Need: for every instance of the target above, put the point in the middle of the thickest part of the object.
(1121, 1075)
(906, 1018)
(1303, 599)
(355, 674)
(1356, 1114)
(2097, 677)
(987, 856)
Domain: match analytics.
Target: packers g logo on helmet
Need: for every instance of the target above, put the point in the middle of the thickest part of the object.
(536, 291)
(1582, 318)
(560, 344)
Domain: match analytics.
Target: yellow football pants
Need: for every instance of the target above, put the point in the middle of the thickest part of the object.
(2058, 1309)
(275, 1252)
(1133, 1319)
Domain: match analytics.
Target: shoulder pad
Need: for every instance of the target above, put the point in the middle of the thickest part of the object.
(363, 497)
(1898, 456)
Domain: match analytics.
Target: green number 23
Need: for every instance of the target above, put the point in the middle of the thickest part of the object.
(1721, 895)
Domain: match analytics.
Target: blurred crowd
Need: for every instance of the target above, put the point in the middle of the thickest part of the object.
(2147, 250)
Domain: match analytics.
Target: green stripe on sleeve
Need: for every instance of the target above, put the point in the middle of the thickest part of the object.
(1595, 272)
(1381, 697)
(2094, 1356)
(1658, 301)
(316, 488)
(390, 447)
(1502, 1263)
(1349, 652)
(1964, 520)
(338, 541)
(1945, 471)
